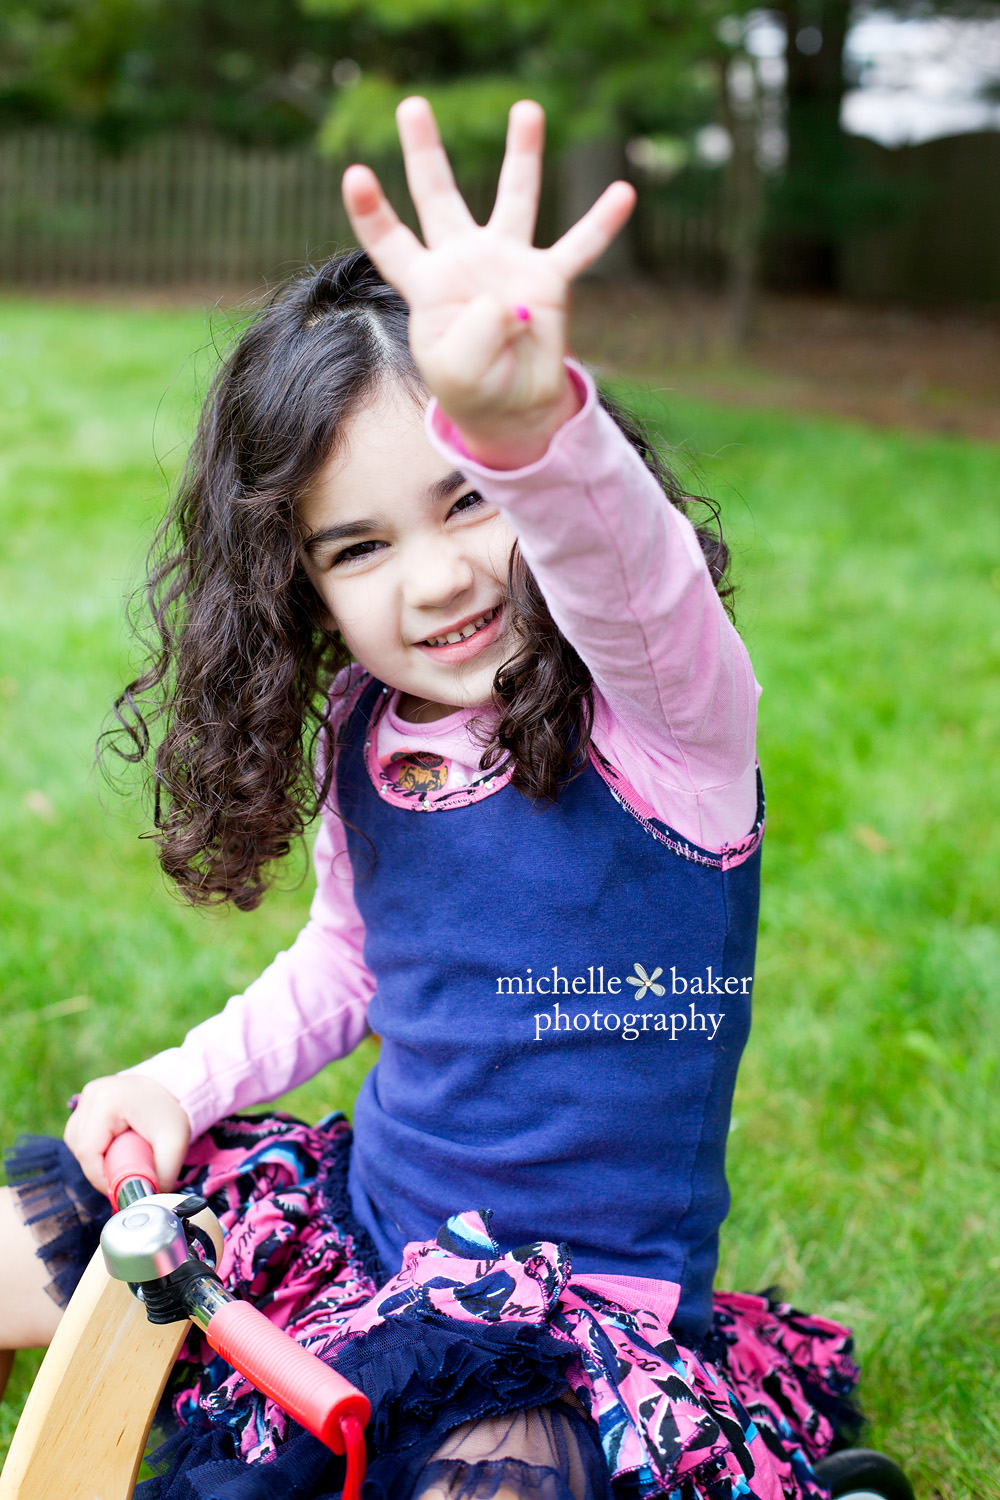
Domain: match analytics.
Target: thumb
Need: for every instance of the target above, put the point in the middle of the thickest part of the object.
(170, 1145)
(470, 346)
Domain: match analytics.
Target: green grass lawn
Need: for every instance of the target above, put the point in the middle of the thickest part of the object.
(866, 1133)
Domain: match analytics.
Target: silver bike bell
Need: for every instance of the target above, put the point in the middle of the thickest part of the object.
(143, 1242)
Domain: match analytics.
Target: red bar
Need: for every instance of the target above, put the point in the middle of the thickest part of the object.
(301, 1384)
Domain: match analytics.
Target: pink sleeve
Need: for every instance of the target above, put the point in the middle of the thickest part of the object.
(308, 1007)
(625, 580)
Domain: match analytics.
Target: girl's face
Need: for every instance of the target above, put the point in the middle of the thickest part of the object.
(404, 554)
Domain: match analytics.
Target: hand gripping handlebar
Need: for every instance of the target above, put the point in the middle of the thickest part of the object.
(317, 1397)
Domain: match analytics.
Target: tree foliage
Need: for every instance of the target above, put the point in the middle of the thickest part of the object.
(264, 69)
(256, 70)
(603, 70)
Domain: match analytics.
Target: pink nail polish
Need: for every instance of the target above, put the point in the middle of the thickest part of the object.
(522, 312)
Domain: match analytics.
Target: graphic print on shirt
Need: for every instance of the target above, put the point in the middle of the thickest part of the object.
(419, 770)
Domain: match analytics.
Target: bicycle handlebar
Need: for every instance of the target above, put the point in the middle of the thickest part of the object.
(311, 1392)
(129, 1156)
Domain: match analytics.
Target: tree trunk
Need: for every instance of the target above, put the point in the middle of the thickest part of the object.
(743, 199)
(585, 170)
(811, 201)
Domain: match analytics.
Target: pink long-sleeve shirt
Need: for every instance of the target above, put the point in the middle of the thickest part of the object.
(674, 712)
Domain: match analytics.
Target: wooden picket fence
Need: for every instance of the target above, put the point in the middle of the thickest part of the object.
(180, 209)
(173, 209)
(189, 209)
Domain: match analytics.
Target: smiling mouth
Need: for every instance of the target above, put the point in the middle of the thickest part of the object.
(468, 630)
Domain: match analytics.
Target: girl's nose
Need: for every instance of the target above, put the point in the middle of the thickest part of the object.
(437, 573)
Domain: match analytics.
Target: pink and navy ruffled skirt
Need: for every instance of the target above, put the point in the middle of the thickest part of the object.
(485, 1371)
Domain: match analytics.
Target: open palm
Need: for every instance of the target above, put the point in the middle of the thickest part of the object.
(487, 308)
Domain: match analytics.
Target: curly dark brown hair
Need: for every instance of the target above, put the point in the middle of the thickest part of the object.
(235, 697)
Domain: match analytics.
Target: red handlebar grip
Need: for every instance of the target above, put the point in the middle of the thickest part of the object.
(128, 1156)
(298, 1381)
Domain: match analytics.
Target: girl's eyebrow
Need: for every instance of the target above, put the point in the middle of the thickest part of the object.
(346, 531)
(442, 488)
(355, 530)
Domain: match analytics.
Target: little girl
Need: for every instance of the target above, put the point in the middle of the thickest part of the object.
(495, 612)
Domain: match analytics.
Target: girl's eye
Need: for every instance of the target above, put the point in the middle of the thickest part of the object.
(467, 502)
(359, 549)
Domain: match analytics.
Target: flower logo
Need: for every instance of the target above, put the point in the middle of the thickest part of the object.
(645, 982)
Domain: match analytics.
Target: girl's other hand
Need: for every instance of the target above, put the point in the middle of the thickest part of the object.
(487, 308)
(128, 1101)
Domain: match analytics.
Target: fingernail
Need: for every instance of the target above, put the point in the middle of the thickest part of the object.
(521, 312)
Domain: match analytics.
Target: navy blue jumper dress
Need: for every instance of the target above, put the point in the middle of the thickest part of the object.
(563, 995)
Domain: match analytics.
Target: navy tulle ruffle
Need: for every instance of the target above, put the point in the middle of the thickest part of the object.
(424, 1377)
(66, 1213)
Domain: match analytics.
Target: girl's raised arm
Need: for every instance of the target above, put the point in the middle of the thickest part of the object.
(487, 308)
(620, 568)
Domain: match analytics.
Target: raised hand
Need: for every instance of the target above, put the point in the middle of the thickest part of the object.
(487, 308)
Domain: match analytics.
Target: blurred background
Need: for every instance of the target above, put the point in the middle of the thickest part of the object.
(820, 146)
(806, 311)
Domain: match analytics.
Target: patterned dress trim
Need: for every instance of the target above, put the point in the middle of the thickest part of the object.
(419, 794)
(726, 858)
(667, 1417)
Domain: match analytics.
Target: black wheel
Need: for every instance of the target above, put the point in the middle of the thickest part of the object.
(863, 1474)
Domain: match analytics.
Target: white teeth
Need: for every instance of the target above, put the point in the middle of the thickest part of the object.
(463, 634)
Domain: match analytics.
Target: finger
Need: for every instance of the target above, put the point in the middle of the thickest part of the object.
(440, 207)
(468, 351)
(590, 236)
(475, 340)
(392, 247)
(518, 189)
(90, 1152)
